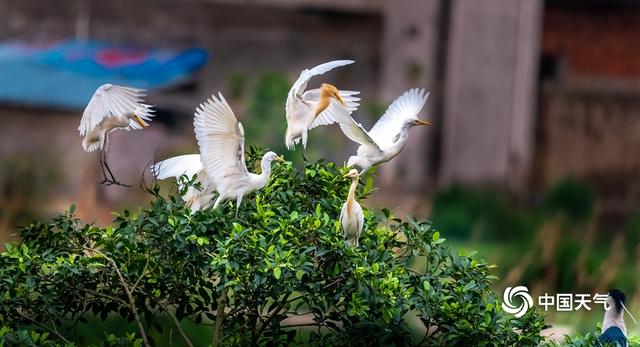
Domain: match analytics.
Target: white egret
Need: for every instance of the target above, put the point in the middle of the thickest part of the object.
(196, 197)
(221, 140)
(614, 330)
(351, 216)
(112, 107)
(389, 135)
(305, 109)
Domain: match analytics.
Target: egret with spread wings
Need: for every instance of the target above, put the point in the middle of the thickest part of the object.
(305, 110)
(112, 107)
(389, 135)
(197, 196)
(221, 140)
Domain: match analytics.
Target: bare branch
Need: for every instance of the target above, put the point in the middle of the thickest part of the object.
(132, 304)
(222, 302)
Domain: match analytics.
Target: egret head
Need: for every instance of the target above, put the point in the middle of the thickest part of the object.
(616, 298)
(271, 156)
(328, 90)
(353, 174)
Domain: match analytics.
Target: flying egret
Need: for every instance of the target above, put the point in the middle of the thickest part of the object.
(388, 136)
(351, 216)
(195, 198)
(305, 109)
(614, 330)
(112, 107)
(221, 140)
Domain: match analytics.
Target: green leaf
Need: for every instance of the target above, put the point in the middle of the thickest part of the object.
(277, 272)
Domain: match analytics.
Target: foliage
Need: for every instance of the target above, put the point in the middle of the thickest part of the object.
(482, 214)
(280, 274)
(587, 340)
(26, 180)
(572, 198)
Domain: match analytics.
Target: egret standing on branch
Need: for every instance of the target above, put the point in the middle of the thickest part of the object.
(389, 135)
(112, 107)
(351, 216)
(221, 140)
(188, 165)
(614, 330)
(305, 109)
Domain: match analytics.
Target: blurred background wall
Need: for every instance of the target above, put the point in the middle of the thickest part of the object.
(532, 159)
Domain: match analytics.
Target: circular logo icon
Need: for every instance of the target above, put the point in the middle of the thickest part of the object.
(521, 292)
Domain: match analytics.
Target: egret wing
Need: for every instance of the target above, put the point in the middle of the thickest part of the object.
(295, 93)
(111, 100)
(220, 138)
(407, 106)
(145, 112)
(188, 165)
(324, 117)
(352, 129)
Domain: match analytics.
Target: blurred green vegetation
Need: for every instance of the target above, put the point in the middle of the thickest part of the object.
(555, 245)
(27, 181)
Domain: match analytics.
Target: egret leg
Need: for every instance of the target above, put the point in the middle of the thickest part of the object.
(102, 169)
(304, 138)
(238, 201)
(113, 179)
(218, 201)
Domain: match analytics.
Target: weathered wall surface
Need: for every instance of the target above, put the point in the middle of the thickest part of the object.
(489, 92)
(591, 130)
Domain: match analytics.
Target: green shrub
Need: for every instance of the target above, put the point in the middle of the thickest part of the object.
(571, 198)
(280, 274)
(587, 340)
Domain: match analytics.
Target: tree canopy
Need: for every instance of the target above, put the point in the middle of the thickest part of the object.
(279, 274)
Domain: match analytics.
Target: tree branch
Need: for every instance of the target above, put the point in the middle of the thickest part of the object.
(222, 302)
(175, 320)
(53, 331)
(272, 314)
(132, 304)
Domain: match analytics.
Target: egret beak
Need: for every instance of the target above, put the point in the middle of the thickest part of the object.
(140, 121)
(280, 159)
(421, 122)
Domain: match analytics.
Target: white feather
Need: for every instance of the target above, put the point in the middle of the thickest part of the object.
(220, 138)
(405, 107)
(112, 100)
(188, 165)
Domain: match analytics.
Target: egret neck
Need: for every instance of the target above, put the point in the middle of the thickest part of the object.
(327, 91)
(352, 194)
(261, 180)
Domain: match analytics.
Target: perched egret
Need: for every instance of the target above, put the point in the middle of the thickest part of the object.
(221, 140)
(112, 107)
(389, 135)
(614, 330)
(351, 216)
(305, 109)
(195, 198)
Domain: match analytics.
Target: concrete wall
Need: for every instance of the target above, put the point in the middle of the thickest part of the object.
(490, 91)
(590, 130)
